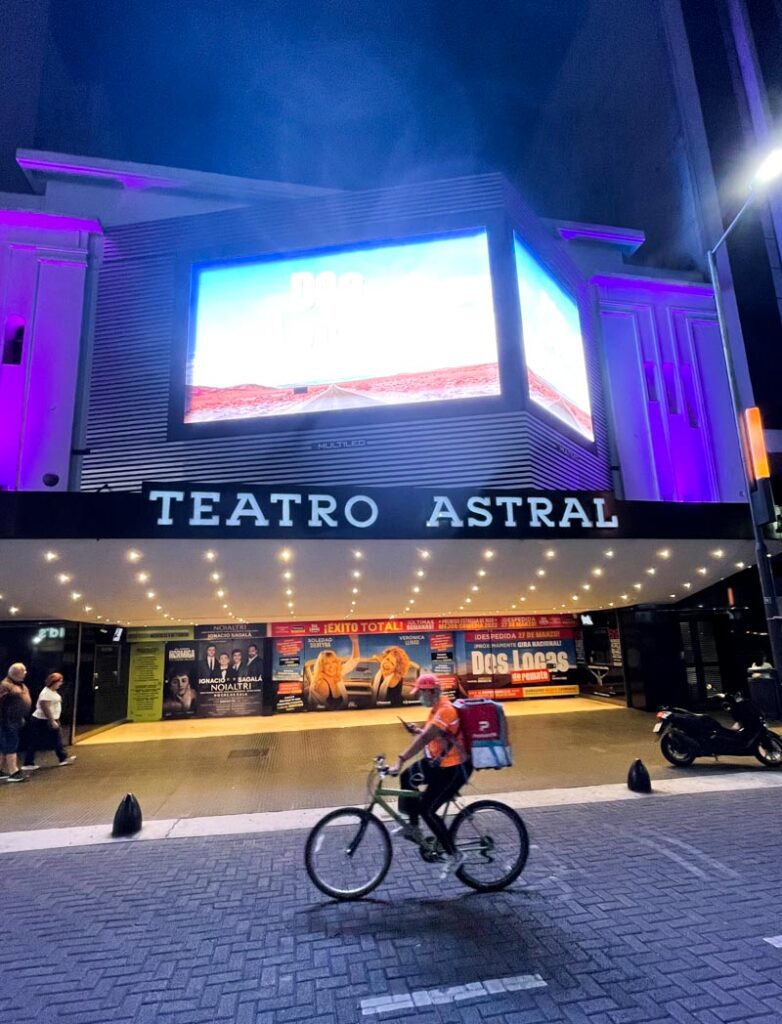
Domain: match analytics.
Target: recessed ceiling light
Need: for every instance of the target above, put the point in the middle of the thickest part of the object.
(215, 576)
(540, 572)
(718, 553)
(701, 570)
(481, 572)
(287, 575)
(610, 604)
(286, 555)
(597, 571)
(420, 573)
(288, 591)
(416, 590)
(488, 553)
(664, 553)
(624, 597)
(50, 556)
(151, 594)
(290, 604)
(551, 553)
(358, 554)
(63, 577)
(532, 587)
(574, 597)
(609, 553)
(220, 592)
(158, 607)
(686, 585)
(739, 565)
(672, 595)
(13, 609)
(637, 586)
(586, 586)
(475, 588)
(356, 574)
(514, 607)
(133, 555)
(411, 601)
(461, 607)
(210, 555)
(651, 570)
(354, 590)
(522, 598)
(423, 553)
(225, 606)
(75, 595)
(468, 600)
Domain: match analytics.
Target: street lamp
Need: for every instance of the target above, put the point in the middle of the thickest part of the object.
(756, 481)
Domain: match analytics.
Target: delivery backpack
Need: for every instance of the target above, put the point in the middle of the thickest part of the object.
(485, 733)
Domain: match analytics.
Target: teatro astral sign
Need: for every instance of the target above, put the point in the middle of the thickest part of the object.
(221, 511)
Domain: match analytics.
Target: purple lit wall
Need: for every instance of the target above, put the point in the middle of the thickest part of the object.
(43, 260)
(668, 391)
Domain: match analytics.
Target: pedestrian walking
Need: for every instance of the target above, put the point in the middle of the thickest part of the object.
(15, 705)
(44, 731)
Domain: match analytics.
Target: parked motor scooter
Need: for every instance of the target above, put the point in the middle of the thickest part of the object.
(685, 735)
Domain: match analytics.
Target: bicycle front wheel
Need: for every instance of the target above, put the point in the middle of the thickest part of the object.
(348, 853)
(494, 842)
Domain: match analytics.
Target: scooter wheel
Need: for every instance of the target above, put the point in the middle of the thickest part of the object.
(769, 750)
(677, 755)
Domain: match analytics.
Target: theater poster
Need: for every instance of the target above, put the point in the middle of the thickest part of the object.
(363, 670)
(219, 674)
(517, 663)
(287, 667)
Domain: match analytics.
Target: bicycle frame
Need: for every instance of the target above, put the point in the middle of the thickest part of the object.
(380, 791)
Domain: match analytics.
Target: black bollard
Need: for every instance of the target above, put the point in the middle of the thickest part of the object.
(127, 820)
(638, 777)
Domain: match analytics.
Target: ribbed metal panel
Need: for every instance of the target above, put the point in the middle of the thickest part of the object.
(134, 330)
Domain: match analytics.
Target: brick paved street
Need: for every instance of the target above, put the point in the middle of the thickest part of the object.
(630, 913)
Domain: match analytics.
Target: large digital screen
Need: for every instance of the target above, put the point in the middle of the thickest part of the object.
(553, 346)
(378, 325)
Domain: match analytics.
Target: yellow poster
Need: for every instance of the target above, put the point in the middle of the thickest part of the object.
(145, 685)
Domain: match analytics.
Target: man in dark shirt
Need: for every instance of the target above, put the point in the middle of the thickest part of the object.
(15, 706)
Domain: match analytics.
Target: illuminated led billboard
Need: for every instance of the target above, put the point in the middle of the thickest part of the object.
(378, 325)
(553, 346)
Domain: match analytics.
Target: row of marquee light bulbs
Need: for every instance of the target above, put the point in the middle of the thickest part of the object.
(286, 557)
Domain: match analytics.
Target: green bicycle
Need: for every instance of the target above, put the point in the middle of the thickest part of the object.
(348, 853)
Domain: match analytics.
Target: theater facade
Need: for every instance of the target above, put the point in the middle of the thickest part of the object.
(269, 448)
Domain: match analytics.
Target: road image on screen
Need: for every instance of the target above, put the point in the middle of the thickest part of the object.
(380, 325)
(553, 346)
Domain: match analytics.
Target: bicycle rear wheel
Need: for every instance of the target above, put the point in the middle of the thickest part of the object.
(348, 853)
(495, 844)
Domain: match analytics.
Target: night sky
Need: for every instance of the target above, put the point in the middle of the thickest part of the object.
(333, 92)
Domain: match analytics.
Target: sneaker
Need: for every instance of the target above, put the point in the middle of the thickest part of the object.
(453, 862)
(30, 767)
(408, 831)
(68, 760)
(17, 777)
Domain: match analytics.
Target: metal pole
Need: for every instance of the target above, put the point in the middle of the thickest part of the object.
(765, 575)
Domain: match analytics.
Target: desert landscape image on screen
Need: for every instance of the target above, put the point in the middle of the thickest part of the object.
(387, 324)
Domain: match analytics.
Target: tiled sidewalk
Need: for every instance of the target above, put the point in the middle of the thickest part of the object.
(628, 913)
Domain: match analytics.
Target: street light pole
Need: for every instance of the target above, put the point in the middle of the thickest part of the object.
(766, 577)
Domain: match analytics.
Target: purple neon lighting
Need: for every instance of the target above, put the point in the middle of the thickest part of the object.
(135, 182)
(612, 236)
(650, 284)
(36, 221)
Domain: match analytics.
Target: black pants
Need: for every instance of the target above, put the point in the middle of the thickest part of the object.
(441, 785)
(40, 736)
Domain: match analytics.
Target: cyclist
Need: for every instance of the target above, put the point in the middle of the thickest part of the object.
(445, 767)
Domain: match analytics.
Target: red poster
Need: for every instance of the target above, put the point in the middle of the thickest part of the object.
(325, 627)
